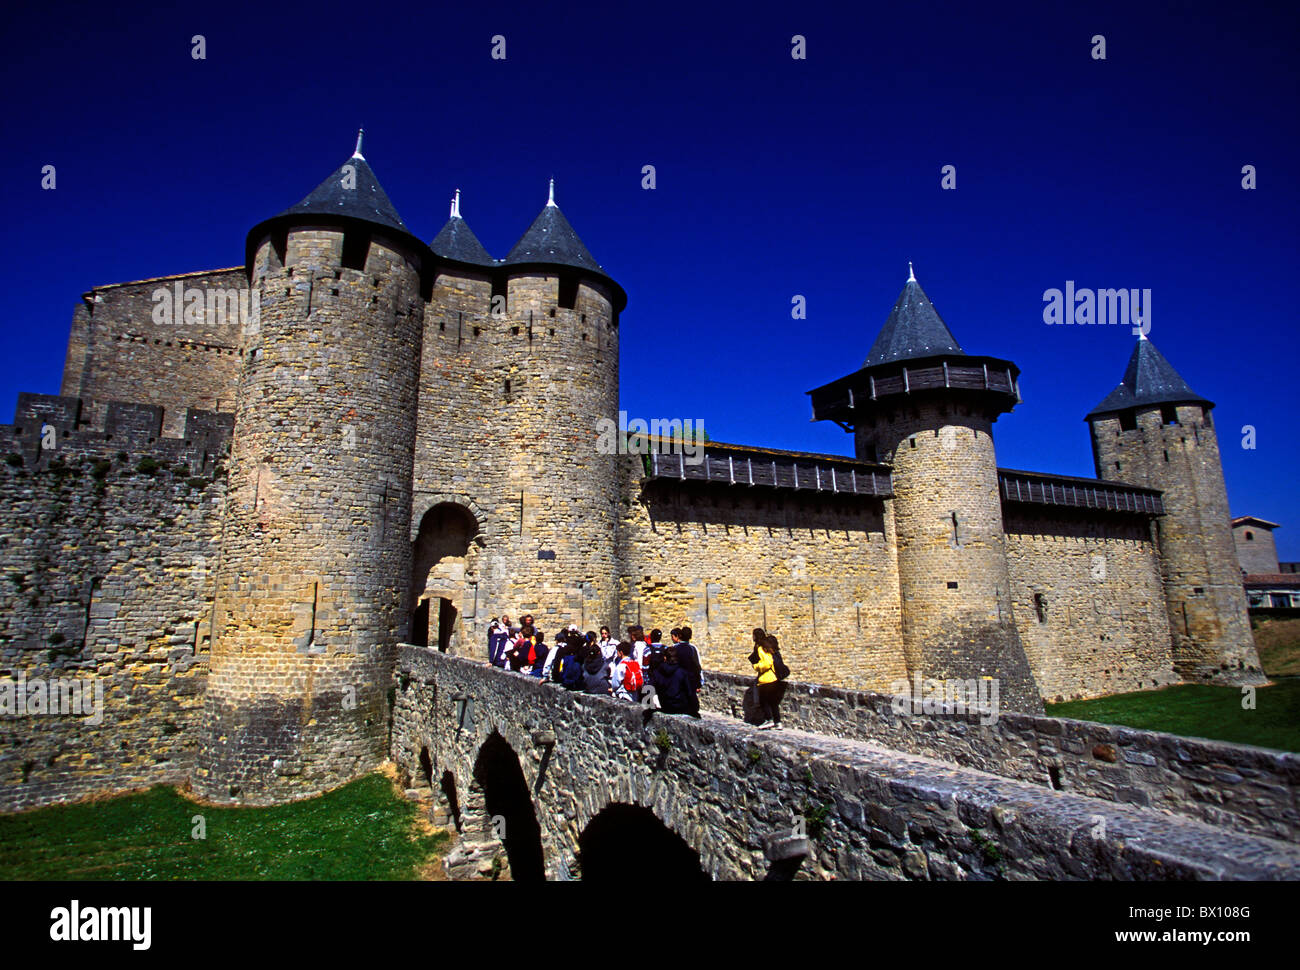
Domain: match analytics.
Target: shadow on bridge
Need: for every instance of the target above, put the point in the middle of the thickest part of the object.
(509, 808)
(629, 842)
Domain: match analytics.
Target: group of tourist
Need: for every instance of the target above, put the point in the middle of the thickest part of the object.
(641, 668)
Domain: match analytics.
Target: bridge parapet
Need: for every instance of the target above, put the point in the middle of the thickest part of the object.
(1254, 790)
(755, 805)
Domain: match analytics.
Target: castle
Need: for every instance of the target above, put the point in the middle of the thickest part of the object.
(231, 519)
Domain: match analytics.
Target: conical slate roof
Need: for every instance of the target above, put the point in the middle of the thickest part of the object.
(1149, 379)
(457, 241)
(550, 239)
(352, 193)
(914, 329)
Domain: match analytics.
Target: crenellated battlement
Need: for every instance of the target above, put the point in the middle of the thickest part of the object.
(49, 428)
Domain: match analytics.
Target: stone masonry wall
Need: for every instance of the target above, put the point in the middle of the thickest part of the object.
(509, 406)
(1239, 787)
(1211, 635)
(107, 548)
(315, 559)
(1089, 601)
(958, 620)
(818, 571)
(122, 347)
(733, 794)
(1258, 554)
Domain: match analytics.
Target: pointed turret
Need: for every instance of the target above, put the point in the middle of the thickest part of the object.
(1156, 432)
(924, 406)
(1149, 379)
(914, 329)
(916, 353)
(456, 241)
(350, 196)
(550, 239)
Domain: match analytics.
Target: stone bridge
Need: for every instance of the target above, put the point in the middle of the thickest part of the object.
(542, 783)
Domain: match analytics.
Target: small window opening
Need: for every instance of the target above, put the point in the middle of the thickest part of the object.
(356, 246)
(952, 585)
(1040, 607)
(1128, 420)
(1250, 537)
(1168, 414)
(568, 296)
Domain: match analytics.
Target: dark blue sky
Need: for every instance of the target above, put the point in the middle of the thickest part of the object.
(776, 177)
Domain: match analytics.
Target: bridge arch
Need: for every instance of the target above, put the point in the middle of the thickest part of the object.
(502, 809)
(625, 842)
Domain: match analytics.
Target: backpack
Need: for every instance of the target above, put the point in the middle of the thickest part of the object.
(778, 666)
(632, 679)
(571, 672)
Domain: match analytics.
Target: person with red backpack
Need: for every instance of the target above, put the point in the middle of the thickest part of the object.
(628, 678)
(525, 652)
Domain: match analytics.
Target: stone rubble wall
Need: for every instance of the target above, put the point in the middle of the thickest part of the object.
(733, 794)
(108, 544)
(818, 571)
(1238, 787)
(123, 347)
(1100, 626)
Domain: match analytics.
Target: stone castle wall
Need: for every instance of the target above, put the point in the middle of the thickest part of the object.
(1088, 601)
(122, 347)
(1211, 635)
(312, 580)
(958, 620)
(817, 570)
(733, 794)
(1258, 554)
(508, 428)
(109, 542)
(1239, 787)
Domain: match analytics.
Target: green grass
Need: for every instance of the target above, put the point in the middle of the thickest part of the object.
(1202, 711)
(1278, 642)
(364, 830)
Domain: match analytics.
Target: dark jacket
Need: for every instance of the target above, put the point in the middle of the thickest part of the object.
(672, 683)
(690, 661)
(595, 674)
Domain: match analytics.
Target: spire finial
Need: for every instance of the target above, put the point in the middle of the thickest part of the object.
(357, 152)
(1142, 335)
(911, 273)
(550, 198)
(455, 206)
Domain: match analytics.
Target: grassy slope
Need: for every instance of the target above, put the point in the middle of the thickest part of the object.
(1279, 646)
(1202, 711)
(364, 830)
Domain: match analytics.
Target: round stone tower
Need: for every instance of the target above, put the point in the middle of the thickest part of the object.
(315, 555)
(520, 366)
(925, 407)
(1154, 430)
(559, 352)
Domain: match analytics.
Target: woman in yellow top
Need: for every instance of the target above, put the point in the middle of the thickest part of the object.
(770, 687)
